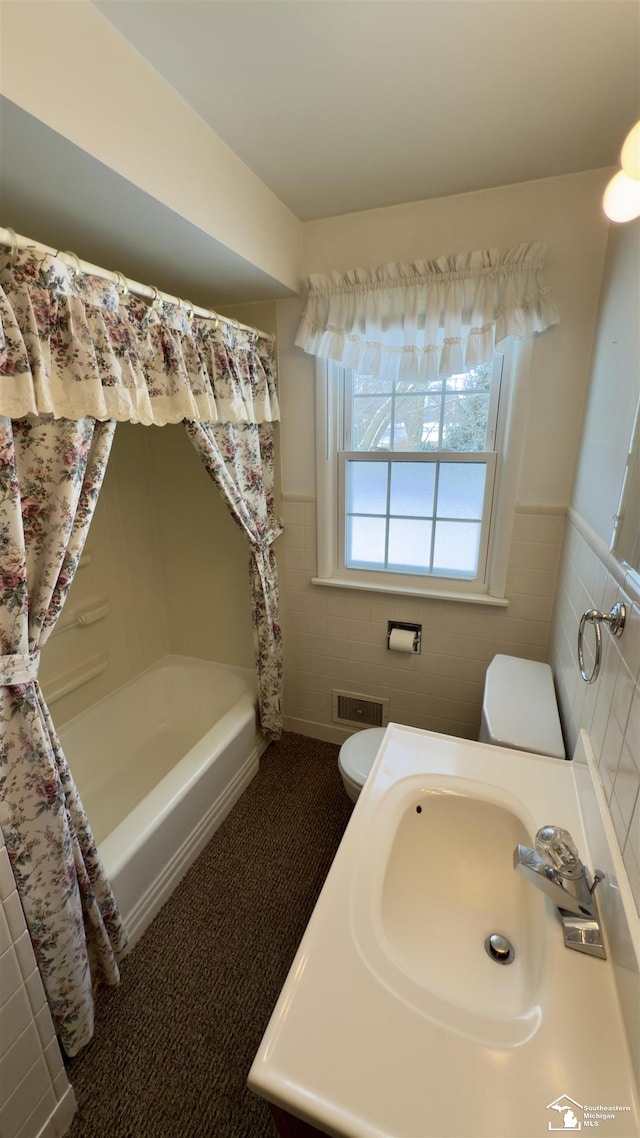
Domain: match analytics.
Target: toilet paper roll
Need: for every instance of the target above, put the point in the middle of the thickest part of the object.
(401, 640)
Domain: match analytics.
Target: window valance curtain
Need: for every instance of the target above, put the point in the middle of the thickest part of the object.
(74, 345)
(427, 319)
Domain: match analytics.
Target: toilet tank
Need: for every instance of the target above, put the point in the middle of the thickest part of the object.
(519, 708)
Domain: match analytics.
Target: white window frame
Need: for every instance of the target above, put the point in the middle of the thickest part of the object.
(511, 427)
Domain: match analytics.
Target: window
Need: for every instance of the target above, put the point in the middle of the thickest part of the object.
(411, 493)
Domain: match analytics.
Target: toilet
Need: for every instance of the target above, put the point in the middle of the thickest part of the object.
(519, 711)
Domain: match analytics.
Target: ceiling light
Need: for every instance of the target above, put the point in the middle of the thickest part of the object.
(621, 201)
(630, 156)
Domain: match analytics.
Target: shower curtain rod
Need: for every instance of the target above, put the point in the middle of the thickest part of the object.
(16, 241)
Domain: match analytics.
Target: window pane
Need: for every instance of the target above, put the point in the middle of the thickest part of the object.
(367, 487)
(365, 540)
(371, 422)
(465, 422)
(412, 486)
(416, 421)
(409, 545)
(476, 379)
(461, 489)
(370, 384)
(456, 548)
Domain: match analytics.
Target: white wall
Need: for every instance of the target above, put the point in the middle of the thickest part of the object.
(615, 384)
(608, 709)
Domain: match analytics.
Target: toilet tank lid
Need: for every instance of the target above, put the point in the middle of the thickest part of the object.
(520, 707)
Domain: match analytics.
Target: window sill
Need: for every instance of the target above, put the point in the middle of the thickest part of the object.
(429, 592)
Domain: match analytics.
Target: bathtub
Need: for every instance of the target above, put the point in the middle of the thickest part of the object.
(158, 764)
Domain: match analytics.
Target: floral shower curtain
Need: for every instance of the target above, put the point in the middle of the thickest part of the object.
(50, 476)
(240, 460)
(239, 457)
(75, 349)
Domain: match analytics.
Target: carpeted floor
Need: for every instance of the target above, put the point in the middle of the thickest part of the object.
(174, 1043)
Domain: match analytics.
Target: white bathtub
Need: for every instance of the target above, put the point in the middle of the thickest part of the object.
(158, 765)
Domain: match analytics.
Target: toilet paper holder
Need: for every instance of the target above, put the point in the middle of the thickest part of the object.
(407, 627)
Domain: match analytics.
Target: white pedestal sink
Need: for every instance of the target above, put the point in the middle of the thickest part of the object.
(394, 1021)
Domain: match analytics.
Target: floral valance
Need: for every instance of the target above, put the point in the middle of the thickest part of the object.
(429, 318)
(74, 345)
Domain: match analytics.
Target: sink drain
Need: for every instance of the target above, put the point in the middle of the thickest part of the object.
(499, 949)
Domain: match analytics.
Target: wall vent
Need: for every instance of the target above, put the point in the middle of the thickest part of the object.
(359, 710)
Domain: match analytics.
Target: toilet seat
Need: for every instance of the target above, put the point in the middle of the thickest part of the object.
(356, 758)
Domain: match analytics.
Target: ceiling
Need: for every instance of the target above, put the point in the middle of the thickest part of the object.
(337, 106)
(343, 105)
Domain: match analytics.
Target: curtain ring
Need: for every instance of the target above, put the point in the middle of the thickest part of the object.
(121, 284)
(157, 299)
(76, 269)
(13, 251)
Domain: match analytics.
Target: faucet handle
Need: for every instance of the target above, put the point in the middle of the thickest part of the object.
(558, 849)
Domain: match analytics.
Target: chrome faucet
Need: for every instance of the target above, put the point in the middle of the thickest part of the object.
(555, 868)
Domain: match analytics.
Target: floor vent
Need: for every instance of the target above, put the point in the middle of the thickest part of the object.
(359, 710)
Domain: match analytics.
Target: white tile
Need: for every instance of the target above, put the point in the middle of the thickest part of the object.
(24, 953)
(533, 555)
(633, 837)
(632, 866)
(61, 1087)
(53, 1059)
(622, 695)
(15, 1017)
(10, 975)
(14, 914)
(293, 513)
(316, 624)
(316, 600)
(610, 755)
(25, 1098)
(626, 785)
(44, 1024)
(35, 991)
(629, 642)
(618, 822)
(18, 1060)
(6, 940)
(38, 1119)
(7, 880)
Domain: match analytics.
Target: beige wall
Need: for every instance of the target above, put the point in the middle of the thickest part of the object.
(565, 212)
(203, 554)
(335, 638)
(204, 181)
(123, 566)
(166, 555)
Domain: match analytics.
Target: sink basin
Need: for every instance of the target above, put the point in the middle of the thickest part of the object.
(394, 1022)
(449, 885)
(439, 884)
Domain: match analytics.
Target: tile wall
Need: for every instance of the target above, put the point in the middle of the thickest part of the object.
(608, 709)
(36, 1100)
(336, 638)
